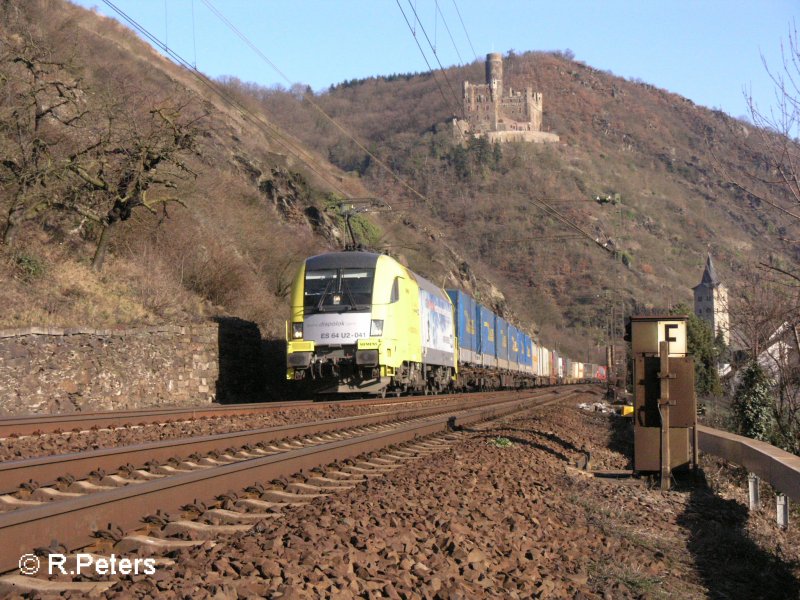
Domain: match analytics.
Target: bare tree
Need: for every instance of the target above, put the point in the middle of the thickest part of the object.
(99, 154)
(781, 168)
(43, 111)
(138, 160)
(765, 309)
(759, 305)
(772, 150)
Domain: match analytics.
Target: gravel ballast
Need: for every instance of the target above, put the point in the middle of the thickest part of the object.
(13, 448)
(504, 514)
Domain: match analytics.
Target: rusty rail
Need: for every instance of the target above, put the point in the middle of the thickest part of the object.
(45, 470)
(72, 522)
(780, 468)
(28, 424)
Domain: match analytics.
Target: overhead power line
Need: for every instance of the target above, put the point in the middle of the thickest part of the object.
(424, 56)
(266, 127)
(427, 62)
(316, 106)
(450, 35)
(287, 143)
(436, 56)
(458, 12)
(550, 210)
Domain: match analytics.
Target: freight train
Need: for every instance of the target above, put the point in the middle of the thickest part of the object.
(362, 323)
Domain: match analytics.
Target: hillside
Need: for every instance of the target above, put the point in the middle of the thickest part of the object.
(667, 162)
(230, 241)
(258, 191)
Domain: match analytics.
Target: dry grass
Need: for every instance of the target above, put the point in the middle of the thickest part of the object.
(234, 252)
(230, 253)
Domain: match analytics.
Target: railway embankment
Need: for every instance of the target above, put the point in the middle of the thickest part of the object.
(263, 416)
(503, 511)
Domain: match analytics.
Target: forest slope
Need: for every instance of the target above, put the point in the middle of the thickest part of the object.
(666, 164)
(262, 183)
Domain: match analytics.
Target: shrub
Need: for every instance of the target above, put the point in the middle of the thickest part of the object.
(752, 404)
(29, 266)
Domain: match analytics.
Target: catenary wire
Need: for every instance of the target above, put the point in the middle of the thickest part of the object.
(268, 128)
(316, 106)
(450, 35)
(458, 12)
(436, 56)
(430, 68)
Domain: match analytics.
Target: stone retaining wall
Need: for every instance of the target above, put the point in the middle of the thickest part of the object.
(50, 370)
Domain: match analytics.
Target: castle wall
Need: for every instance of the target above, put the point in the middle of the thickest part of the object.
(489, 108)
(536, 137)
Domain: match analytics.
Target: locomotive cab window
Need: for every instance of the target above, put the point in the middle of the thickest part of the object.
(338, 290)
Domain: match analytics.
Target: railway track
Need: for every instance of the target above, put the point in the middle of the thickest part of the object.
(75, 522)
(36, 424)
(66, 470)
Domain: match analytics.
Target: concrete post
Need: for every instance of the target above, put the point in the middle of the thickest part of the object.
(783, 511)
(753, 485)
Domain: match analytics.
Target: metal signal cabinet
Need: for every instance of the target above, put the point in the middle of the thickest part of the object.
(664, 391)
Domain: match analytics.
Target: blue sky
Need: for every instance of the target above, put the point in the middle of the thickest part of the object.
(706, 50)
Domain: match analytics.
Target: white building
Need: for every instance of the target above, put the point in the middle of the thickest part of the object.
(711, 302)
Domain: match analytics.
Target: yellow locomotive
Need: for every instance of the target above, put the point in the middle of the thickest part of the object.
(363, 323)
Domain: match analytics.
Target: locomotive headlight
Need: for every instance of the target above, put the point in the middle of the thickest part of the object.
(297, 331)
(376, 328)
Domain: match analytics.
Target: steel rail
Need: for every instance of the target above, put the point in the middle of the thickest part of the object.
(72, 522)
(45, 470)
(32, 423)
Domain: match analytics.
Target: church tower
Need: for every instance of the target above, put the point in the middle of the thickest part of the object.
(711, 302)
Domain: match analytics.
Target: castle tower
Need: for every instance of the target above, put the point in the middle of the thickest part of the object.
(711, 301)
(494, 79)
(535, 111)
(494, 73)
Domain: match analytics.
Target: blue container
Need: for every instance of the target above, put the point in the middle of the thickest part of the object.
(526, 359)
(513, 347)
(487, 344)
(465, 309)
(501, 335)
(523, 351)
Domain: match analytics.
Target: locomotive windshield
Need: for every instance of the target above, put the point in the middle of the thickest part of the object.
(338, 290)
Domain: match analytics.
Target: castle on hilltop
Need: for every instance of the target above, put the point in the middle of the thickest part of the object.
(501, 115)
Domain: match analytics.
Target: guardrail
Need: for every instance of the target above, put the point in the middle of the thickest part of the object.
(779, 468)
